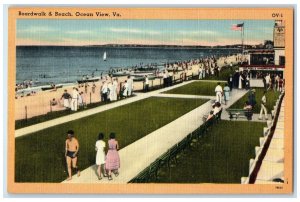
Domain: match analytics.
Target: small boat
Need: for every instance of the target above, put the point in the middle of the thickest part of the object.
(51, 87)
(87, 79)
(123, 73)
(141, 76)
(104, 56)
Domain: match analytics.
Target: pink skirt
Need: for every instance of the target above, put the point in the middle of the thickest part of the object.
(112, 161)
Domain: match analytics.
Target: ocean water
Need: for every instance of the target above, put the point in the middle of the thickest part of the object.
(46, 64)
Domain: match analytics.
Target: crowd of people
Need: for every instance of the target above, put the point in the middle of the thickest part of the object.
(273, 82)
(106, 163)
(75, 100)
(223, 96)
(110, 90)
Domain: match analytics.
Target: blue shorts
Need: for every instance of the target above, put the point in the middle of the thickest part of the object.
(71, 154)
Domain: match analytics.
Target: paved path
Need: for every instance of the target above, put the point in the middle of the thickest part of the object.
(79, 115)
(153, 145)
(137, 156)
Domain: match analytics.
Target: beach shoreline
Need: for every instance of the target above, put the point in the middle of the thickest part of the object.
(39, 103)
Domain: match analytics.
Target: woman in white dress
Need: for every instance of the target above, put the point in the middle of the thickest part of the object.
(100, 156)
(110, 90)
(125, 87)
(114, 90)
(240, 81)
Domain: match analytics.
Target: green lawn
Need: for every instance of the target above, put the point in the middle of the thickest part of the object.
(221, 156)
(197, 88)
(40, 156)
(271, 100)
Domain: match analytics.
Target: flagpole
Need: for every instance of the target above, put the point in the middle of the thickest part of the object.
(243, 38)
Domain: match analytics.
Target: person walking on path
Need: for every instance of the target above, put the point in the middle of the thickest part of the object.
(74, 102)
(100, 156)
(112, 163)
(72, 148)
(226, 93)
(218, 91)
(263, 108)
(66, 96)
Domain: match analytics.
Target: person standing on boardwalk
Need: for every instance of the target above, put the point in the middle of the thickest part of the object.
(263, 108)
(241, 81)
(226, 93)
(125, 89)
(218, 91)
(74, 102)
(280, 84)
(93, 87)
(146, 83)
(112, 163)
(130, 86)
(268, 81)
(100, 156)
(104, 91)
(200, 72)
(66, 96)
(72, 148)
(230, 82)
(86, 87)
(114, 95)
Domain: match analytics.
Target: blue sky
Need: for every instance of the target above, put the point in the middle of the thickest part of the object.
(171, 32)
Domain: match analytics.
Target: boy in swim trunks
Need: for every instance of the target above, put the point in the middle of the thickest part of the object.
(72, 147)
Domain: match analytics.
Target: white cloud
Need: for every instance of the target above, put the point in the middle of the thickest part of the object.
(198, 32)
(80, 32)
(34, 29)
(134, 31)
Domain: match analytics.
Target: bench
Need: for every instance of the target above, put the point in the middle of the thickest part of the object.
(240, 113)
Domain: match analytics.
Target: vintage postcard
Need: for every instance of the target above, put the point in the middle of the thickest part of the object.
(150, 100)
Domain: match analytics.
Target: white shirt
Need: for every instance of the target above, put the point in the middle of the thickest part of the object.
(104, 88)
(268, 79)
(263, 100)
(216, 110)
(218, 89)
(130, 83)
(147, 80)
(75, 94)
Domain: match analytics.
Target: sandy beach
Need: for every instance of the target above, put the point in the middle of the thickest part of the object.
(39, 103)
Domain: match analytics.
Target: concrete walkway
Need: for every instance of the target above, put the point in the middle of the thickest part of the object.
(153, 145)
(139, 155)
(79, 115)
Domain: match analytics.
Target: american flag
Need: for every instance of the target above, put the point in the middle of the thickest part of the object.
(237, 27)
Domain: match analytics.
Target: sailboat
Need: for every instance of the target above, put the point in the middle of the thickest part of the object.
(104, 56)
